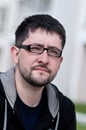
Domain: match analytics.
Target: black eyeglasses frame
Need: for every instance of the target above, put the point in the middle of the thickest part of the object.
(28, 48)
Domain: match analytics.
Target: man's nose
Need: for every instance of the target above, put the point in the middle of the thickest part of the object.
(44, 57)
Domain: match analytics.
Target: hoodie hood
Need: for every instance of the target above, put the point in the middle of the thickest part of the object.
(8, 81)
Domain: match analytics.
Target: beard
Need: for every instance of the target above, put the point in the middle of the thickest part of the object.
(36, 82)
(31, 78)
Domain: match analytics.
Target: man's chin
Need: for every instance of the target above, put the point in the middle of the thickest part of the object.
(38, 82)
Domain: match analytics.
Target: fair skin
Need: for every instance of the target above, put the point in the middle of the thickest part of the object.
(28, 64)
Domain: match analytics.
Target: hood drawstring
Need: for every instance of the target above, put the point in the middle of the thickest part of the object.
(5, 116)
(57, 122)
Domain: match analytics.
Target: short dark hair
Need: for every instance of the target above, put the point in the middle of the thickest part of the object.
(43, 21)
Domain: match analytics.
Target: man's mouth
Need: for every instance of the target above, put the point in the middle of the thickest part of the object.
(41, 68)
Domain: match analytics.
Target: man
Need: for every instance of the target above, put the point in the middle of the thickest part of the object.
(28, 100)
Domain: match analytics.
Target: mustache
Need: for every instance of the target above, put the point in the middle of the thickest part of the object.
(43, 66)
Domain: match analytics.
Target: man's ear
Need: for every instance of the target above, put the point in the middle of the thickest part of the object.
(14, 54)
(60, 61)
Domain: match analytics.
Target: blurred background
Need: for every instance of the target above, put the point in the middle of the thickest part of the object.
(71, 79)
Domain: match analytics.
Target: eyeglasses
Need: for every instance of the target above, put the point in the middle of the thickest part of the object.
(39, 49)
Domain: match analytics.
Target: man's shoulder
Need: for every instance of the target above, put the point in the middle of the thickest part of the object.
(63, 99)
(67, 118)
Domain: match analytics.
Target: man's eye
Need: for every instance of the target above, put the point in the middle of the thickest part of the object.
(35, 48)
(53, 51)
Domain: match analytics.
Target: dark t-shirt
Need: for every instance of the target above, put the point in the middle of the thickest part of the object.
(29, 115)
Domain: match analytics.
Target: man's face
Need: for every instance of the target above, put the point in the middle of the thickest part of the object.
(38, 69)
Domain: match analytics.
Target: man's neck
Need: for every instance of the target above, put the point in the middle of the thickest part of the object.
(30, 95)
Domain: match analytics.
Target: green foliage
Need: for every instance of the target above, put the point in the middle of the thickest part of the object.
(80, 107)
(81, 126)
